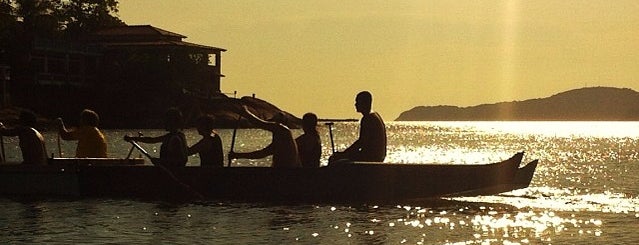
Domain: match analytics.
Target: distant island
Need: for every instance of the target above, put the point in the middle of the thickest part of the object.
(584, 104)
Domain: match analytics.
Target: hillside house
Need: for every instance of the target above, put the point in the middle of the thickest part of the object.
(162, 55)
(115, 68)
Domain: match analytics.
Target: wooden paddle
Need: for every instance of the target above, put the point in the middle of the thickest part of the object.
(59, 147)
(233, 138)
(168, 172)
(2, 144)
(133, 147)
(330, 133)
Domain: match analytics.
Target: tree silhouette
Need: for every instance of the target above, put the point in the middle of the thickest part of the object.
(80, 17)
(25, 20)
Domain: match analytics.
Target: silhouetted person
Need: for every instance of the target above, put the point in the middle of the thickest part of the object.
(31, 141)
(210, 146)
(91, 141)
(371, 144)
(309, 144)
(173, 151)
(283, 146)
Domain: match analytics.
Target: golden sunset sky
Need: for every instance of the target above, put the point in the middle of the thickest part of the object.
(304, 55)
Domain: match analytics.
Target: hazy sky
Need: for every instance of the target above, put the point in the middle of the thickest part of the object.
(316, 55)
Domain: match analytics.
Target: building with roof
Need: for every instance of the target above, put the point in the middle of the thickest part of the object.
(196, 68)
(140, 68)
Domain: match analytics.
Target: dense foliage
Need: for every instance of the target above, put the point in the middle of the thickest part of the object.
(21, 21)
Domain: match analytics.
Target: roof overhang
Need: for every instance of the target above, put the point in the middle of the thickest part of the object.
(161, 44)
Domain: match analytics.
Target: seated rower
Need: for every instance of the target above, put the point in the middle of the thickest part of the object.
(31, 141)
(371, 144)
(173, 151)
(91, 141)
(210, 146)
(309, 143)
(283, 146)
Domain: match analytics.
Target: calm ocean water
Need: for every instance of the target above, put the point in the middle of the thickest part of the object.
(585, 191)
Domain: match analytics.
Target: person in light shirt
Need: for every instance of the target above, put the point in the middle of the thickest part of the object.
(91, 141)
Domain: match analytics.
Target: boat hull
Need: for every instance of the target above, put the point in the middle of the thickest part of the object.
(31, 180)
(522, 179)
(59, 178)
(356, 182)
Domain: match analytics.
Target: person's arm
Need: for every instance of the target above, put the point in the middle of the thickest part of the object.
(218, 153)
(196, 148)
(357, 145)
(260, 123)
(9, 131)
(145, 139)
(354, 147)
(352, 150)
(64, 133)
(254, 154)
(316, 153)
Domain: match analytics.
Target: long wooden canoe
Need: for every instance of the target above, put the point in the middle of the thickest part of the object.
(522, 179)
(355, 182)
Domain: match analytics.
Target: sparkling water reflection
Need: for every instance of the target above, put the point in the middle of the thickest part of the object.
(584, 191)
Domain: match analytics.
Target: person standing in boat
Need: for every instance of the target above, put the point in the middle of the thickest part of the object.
(210, 146)
(283, 146)
(309, 144)
(371, 144)
(173, 151)
(91, 141)
(31, 143)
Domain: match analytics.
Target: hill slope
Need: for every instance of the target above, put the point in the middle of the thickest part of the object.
(585, 104)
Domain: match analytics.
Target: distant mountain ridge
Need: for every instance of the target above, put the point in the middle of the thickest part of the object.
(584, 104)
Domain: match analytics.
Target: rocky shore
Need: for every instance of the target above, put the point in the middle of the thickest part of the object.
(223, 110)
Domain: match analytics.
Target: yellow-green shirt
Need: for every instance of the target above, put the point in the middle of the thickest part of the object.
(91, 142)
